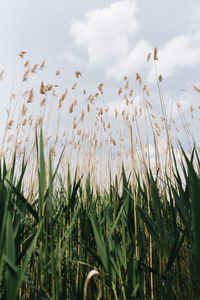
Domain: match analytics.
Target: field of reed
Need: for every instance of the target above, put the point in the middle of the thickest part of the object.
(98, 201)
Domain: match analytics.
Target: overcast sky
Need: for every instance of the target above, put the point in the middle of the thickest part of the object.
(105, 40)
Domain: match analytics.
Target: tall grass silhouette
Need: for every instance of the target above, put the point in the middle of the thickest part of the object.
(96, 201)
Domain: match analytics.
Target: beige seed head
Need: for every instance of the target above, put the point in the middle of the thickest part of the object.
(100, 86)
(42, 102)
(10, 123)
(100, 111)
(196, 88)
(56, 140)
(24, 110)
(26, 75)
(42, 88)
(158, 133)
(144, 87)
(18, 145)
(74, 125)
(42, 65)
(71, 108)
(89, 97)
(149, 104)
(138, 78)
(62, 98)
(9, 138)
(92, 99)
(33, 70)
(74, 86)
(50, 86)
(100, 89)
(30, 121)
(21, 54)
(127, 83)
(1, 74)
(113, 141)
(24, 122)
(120, 91)
(131, 93)
(155, 57)
(40, 120)
(30, 98)
(53, 151)
(78, 74)
(82, 115)
(136, 111)
(148, 56)
(26, 64)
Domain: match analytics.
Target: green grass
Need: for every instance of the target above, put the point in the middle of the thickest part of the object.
(143, 240)
(116, 215)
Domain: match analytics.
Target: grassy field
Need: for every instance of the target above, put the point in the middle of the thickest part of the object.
(108, 210)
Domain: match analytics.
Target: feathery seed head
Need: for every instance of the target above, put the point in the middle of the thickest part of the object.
(155, 57)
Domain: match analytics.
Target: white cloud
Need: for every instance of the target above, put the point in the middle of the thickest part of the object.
(131, 63)
(72, 57)
(195, 23)
(176, 53)
(195, 20)
(105, 33)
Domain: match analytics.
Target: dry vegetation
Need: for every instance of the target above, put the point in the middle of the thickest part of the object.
(93, 141)
(90, 190)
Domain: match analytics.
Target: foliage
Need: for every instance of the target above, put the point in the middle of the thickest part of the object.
(143, 240)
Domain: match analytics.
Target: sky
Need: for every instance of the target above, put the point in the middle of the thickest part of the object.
(105, 40)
